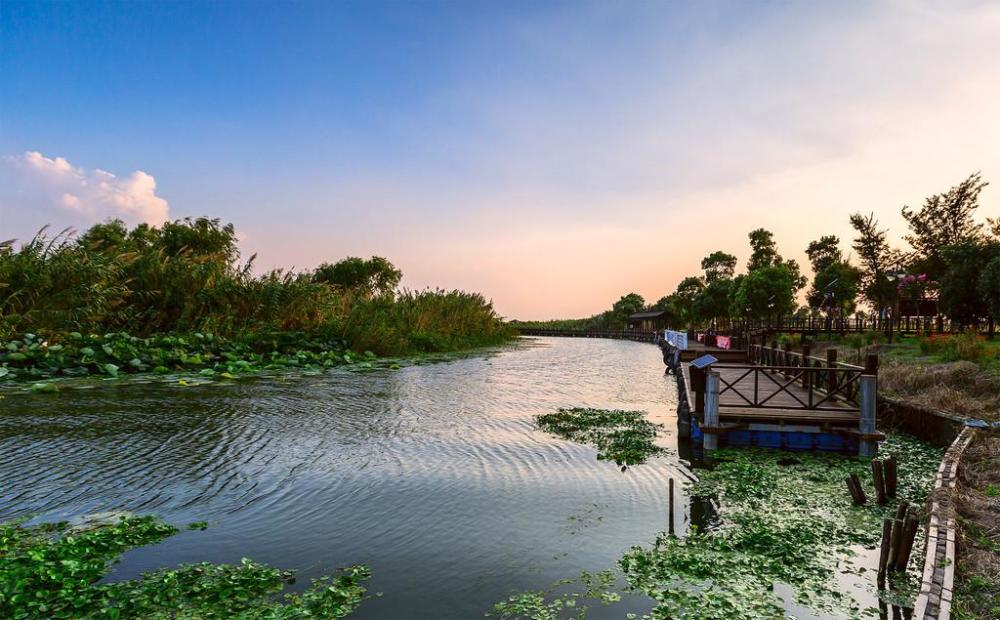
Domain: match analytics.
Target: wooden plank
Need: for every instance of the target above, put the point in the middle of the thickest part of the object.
(806, 415)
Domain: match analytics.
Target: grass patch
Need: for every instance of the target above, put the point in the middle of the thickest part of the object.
(625, 437)
(977, 585)
(52, 571)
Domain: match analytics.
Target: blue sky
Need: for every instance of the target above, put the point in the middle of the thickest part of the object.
(551, 155)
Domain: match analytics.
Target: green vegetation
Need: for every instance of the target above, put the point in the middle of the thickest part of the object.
(175, 298)
(553, 603)
(53, 570)
(625, 437)
(977, 574)
(783, 519)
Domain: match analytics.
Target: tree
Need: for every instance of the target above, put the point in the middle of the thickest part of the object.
(835, 289)
(835, 282)
(824, 252)
(685, 295)
(877, 261)
(766, 292)
(375, 277)
(627, 305)
(714, 300)
(718, 265)
(763, 252)
(961, 296)
(945, 219)
(989, 288)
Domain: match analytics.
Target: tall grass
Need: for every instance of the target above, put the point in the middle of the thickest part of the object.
(187, 276)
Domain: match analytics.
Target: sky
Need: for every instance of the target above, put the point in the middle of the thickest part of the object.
(551, 155)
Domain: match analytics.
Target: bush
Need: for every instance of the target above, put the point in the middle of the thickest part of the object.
(967, 346)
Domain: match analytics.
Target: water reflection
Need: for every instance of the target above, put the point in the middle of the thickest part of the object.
(434, 476)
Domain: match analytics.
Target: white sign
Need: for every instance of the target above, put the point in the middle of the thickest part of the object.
(678, 340)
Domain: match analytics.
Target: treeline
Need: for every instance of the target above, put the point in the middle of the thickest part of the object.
(187, 276)
(951, 257)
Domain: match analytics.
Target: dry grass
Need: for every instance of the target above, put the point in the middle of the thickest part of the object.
(962, 388)
(977, 577)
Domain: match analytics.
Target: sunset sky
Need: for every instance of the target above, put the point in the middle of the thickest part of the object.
(551, 155)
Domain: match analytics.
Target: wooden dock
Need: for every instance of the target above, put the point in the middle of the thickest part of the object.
(783, 399)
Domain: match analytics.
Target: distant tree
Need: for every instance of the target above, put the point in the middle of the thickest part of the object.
(878, 286)
(989, 288)
(714, 301)
(668, 304)
(835, 282)
(763, 252)
(766, 292)
(684, 297)
(962, 295)
(374, 277)
(944, 219)
(627, 305)
(994, 226)
(824, 252)
(718, 265)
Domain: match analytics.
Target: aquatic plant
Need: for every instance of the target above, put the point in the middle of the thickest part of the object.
(782, 520)
(555, 602)
(53, 571)
(625, 437)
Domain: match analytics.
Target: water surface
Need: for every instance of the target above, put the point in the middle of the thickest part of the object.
(434, 476)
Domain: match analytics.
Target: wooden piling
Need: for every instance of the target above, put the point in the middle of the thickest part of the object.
(879, 479)
(906, 541)
(895, 541)
(883, 557)
(670, 486)
(901, 509)
(856, 490)
(890, 476)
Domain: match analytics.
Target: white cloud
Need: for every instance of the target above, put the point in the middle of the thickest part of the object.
(96, 194)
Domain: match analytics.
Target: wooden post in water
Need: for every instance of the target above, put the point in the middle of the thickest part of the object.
(866, 445)
(855, 489)
(883, 557)
(879, 479)
(711, 417)
(670, 521)
(895, 542)
(906, 541)
(901, 510)
(890, 476)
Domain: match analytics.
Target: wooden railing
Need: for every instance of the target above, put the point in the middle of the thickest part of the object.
(823, 389)
(620, 334)
(825, 374)
(903, 325)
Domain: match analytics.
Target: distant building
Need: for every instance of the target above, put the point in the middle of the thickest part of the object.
(651, 320)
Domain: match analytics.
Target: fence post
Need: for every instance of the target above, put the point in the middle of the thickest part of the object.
(807, 364)
(831, 375)
(871, 364)
(711, 441)
(866, 446)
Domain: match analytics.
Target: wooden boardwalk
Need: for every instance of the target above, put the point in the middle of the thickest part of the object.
(779, 398)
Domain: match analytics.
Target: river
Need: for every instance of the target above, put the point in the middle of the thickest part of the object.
(435, 476)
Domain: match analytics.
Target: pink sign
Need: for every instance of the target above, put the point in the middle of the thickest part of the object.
(723, 342)
(701, 337)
